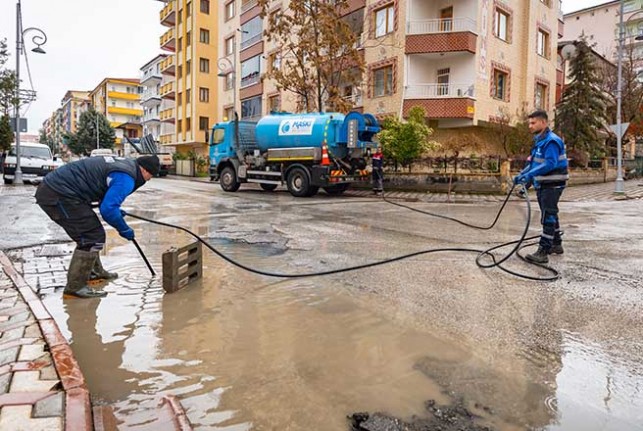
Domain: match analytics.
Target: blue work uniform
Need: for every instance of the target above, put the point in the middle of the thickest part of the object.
(547, 170)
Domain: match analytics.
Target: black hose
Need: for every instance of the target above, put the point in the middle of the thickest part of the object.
(518, 245)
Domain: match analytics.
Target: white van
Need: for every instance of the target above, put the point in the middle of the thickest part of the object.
(36, 161)
(101, 152)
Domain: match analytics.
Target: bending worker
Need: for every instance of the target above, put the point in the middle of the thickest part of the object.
(67, 194)
(546, 169)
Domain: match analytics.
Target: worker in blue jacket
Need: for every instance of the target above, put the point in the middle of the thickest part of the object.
(66, 195)
(546, 170)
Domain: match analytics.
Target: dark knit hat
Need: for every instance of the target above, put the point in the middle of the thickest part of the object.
(151, 164)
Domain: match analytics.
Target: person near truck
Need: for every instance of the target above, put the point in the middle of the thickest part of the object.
(378, 171)
(546, 170)
(66, 195)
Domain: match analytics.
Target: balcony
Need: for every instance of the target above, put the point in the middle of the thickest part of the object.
(151, 119)
(168, 91)
(133, 112)
(251, 79)
(150, 98)
(166, 139)
(151, 79)
(248, 43)
(438, 91)
(168, 41)
(441, 35)
(167, 66)
(168, 14)
(167, 115)
(247, 5)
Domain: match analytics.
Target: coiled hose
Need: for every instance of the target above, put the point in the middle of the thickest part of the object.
(495, 263)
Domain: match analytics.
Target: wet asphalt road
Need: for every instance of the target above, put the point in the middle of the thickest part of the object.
(562, 355)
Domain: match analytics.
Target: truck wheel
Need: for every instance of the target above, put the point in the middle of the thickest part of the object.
(228, 180)
(268, 187)
(7, 181)
(336, 189)
(298, 183)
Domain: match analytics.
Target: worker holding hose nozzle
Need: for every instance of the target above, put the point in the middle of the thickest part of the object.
(378, 171)
(546, 170)
(66, 196)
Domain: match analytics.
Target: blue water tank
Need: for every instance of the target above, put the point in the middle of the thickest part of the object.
(298, 130)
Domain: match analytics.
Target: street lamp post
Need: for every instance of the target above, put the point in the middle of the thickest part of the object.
(39, 40)
(226, 67)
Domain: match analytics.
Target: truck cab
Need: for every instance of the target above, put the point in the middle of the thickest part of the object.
(36, 161)
(305, 152)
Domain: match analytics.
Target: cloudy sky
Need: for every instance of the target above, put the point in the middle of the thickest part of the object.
(92, 39)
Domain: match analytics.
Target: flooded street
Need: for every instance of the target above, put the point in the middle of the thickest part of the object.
(244, 352)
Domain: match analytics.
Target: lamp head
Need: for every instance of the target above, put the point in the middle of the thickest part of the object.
(38, 50)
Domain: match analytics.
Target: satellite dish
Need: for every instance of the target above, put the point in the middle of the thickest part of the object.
(568, 52)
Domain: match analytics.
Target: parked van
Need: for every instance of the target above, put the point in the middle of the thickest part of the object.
(101, 152)
(36, 161)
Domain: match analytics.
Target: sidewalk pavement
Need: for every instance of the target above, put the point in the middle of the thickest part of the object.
(41, 385)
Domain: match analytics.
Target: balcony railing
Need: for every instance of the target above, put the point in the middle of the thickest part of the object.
(166, 139)
(447, 25)
(247, 5)
(149, 95)
(248, 43)
(167, 65)
(438, 91)
(355, 99)
(166, 114)
(250, 80)
(167, 14)
(167, 40)
(167, 90)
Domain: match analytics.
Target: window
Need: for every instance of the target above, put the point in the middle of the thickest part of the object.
(179, 44)
(251, 107)
(205, 7)
(204, 65)
(229, 81)
(443, 81)
(500, 88)
(188, 96)
(229, 46)
(274, 103)
(178, 126)
(383, 81)
(542, 46)
(188, 124)
(540, 96)
(188, 39)
(188, 67)
(204, 95)
(179, 99)
(188, 9)
(180, 18)
(179, 72)
(229, 10)
(250, 71)
(384, 21)
(501, 25)
(204, 36)
(251, 32)
(228, 114)
(204, 122)
(275, 61)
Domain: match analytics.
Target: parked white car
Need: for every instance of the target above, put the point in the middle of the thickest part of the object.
(36, 161)
(101, 152)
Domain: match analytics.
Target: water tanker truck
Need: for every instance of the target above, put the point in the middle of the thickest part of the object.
(302, 151)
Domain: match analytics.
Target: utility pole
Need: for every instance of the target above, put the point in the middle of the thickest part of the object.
(620, 186)
(17, 179)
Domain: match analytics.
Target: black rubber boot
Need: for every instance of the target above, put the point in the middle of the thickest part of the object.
(79, 271)
(540, 256)
(99, 273)
(557, 249)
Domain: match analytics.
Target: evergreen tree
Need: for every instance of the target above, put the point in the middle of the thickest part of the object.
(405, 141)
(7, 81)
(581, 114)
(84, 141)
(6, 135)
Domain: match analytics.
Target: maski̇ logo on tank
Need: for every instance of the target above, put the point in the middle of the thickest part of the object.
(297, 126)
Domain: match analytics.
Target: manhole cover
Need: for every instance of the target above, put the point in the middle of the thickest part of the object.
(52, 250)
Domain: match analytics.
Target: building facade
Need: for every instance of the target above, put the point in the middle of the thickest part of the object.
(601, 26)
(151, 82)
(465, 62)
(72, 106)
(119, 99)
(189, 72)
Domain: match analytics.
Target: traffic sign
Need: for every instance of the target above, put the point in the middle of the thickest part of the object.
(624, 127)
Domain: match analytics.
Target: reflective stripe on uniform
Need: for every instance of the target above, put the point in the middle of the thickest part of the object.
(544, 235)
(562, 157)
(539, 160)
(543, 178)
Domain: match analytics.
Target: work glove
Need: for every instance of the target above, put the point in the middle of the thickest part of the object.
(128, 234)
(520, 179)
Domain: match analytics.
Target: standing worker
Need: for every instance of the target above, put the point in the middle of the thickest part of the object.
(378, 171)
(67, 194)
(546, 169)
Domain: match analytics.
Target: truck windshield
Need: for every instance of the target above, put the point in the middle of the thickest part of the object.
(217, 136)
(35, 152)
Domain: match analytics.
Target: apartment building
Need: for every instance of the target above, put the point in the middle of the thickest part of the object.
(463, 61)
(601, 26)
(189, 71)
(151, 82)
(72, 106)
(119, 100)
